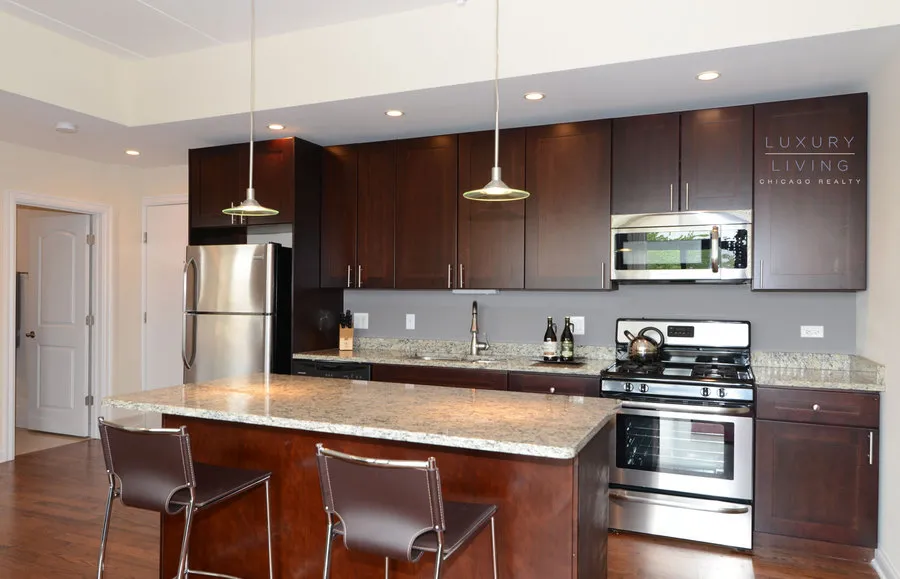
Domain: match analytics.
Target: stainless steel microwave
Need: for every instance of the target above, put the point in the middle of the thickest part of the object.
(687, 246)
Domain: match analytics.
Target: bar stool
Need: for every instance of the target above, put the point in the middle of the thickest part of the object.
(152, 469)
(394, 508)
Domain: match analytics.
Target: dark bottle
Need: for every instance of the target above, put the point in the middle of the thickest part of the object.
(567, 352)
(550, 343)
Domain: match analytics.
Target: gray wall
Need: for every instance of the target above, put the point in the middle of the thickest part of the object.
(520, 316)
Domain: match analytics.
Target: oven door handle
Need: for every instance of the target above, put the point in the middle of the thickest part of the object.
(720, 410)
(698, 506)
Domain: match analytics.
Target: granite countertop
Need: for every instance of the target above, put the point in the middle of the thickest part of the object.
(513, 363)
(821, 371)
(547, 426)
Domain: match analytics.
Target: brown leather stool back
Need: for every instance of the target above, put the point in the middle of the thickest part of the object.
(383, 505)
(151, 464)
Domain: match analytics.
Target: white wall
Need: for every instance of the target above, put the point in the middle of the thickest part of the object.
(32, 171)
(877, 312)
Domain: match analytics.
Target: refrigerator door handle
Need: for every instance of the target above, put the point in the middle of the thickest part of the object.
(188, 363)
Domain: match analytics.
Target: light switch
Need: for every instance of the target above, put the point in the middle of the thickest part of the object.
(361, 321)
(577, 325)
(410, 321)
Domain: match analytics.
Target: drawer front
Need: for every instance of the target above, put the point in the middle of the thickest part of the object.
(554, 384)
(818, 406)
(458, 377)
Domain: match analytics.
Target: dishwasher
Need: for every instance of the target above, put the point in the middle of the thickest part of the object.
(323, 369)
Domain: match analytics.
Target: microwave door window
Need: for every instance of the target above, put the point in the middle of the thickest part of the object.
(663, 250)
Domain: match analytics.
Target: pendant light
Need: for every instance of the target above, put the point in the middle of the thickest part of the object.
(496, 189)
(250, 207)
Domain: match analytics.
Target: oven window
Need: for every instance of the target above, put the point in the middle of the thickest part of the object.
(675, 446)
(663, 250)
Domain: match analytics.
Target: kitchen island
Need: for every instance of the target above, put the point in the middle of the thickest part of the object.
(543, 460)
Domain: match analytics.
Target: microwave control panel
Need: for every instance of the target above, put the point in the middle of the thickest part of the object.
(734, 250)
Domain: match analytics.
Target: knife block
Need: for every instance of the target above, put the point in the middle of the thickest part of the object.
(345, 339)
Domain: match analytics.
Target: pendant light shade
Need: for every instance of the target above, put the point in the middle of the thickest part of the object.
(496, 189)
(250, 207)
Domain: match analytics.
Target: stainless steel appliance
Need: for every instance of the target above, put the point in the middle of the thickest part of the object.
(237, 316)
(682, 449)
(691, 246)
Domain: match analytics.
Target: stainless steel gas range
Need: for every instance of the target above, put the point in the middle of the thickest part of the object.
(682, 449)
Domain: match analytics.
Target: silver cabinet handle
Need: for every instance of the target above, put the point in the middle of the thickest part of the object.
(462, 279)
(698, 506)
(602, 275)
(553, 390)
(359, 276)
(761, 284)
(349, 274)
(715, 255)
(871, 446)
(687, 196)
(816, 407)
(671, 197)
(449, 276)
(232, 216)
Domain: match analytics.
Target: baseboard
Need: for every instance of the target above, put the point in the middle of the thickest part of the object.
(883, 566)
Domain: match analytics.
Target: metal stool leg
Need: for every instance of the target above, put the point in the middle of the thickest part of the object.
(328, 541)
(494, 547)
(269, 531)
(185, 540)
(438, 559)
(105, 533)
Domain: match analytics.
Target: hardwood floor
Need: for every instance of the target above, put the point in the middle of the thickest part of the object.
(51, 511)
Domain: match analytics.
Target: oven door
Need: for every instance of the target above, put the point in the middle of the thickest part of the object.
(699, 450)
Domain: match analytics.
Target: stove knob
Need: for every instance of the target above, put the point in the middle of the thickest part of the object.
(644, 388)
(628, 387)
(706, 391)
(721, 393)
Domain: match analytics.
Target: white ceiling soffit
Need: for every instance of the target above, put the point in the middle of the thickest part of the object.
(150, 28)
(831, 64)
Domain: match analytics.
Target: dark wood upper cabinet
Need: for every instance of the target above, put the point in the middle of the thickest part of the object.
(339, 216)
(273, 180)
(817, 482)
(426, 212)
(717, 159)
(567, 217)
(491, 236)
(645, 154)
(375, 215)
(809, 208)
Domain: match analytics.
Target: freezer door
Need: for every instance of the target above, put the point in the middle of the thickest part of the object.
(230, 278)
(225, 346)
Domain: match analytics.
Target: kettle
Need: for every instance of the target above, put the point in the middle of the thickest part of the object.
(642, 349)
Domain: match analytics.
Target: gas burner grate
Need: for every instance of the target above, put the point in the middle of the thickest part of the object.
(642, 369)
(713, 371)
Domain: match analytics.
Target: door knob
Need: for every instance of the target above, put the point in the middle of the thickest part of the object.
(29, 335)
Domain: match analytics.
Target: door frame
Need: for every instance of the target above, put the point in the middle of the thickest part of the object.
(101, 304)
(147, 202)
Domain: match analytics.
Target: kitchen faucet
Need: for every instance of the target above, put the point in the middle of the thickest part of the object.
(476, 345)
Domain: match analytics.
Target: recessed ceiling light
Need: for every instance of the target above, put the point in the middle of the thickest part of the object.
(708, 75)
(534, 96)
(394, 113)
(276, 127)
(132, 152)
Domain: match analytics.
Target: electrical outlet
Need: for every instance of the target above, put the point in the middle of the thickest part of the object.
(577, 325)
(410, 321)
(812, 331)
(361, 321)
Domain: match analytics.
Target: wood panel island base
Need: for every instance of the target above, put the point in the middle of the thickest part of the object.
(542, 459)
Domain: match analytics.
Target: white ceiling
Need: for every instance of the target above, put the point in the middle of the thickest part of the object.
(150, 28)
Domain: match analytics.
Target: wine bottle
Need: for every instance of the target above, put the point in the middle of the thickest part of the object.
(550, 343)
(567, 353)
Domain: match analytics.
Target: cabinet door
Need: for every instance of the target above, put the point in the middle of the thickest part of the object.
(645, 164)
(375, 224)
(457, 377)
(217, 179)
(339, 193)
(567, 236)
(809, 203)
(426, 212)
(717, 159)
(491, 235)
(554, 384)
(273, 180)
(817, 482)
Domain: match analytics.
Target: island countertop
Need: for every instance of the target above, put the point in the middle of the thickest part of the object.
(547, 426)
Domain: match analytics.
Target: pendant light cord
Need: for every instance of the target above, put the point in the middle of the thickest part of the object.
(252, 84)
(497, 85)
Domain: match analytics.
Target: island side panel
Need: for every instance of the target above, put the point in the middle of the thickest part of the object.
(535, 522)
(592, 496)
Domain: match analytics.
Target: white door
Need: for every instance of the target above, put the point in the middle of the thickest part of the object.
(56, 333)
(167, 237)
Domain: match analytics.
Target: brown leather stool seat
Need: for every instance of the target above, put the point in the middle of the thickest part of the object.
(395, 509)
(152, 469)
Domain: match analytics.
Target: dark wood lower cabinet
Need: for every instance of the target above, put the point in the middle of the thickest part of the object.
(554, 384)
(459, 377)
(817, 482)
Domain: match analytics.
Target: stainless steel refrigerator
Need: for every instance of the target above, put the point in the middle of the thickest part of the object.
(237, 315)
